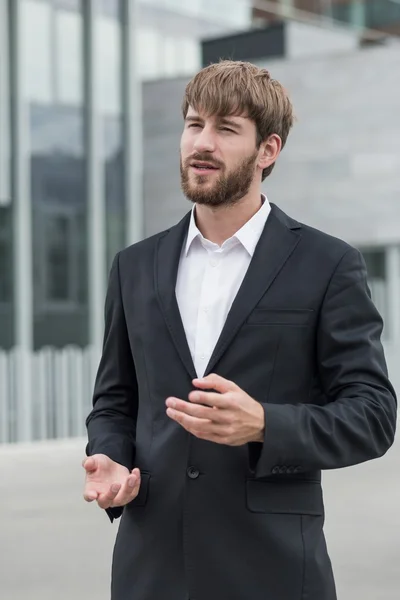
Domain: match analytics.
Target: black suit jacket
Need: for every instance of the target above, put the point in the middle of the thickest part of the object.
(215, 522)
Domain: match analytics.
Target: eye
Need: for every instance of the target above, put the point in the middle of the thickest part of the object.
(227, 129)
(194, 125)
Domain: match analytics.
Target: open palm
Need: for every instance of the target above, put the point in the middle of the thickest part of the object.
(108, 482)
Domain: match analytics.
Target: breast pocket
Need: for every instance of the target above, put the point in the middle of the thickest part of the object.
(295, 317)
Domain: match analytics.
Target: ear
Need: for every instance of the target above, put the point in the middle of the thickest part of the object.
(269, 151)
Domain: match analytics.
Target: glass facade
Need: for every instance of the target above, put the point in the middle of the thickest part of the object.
(66, 119)
(6, 205)
(53, 80)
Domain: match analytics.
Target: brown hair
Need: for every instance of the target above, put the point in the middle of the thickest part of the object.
(234, 87)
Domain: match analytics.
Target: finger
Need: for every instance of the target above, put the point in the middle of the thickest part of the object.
(89, 464)
(90, 495)
(215, 382)
(210, 399)
(195, 410)
(129, 490)
(105, 500)
(210, 413)
(187, 421)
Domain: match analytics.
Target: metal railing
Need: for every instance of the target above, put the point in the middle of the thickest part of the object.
(62, 388)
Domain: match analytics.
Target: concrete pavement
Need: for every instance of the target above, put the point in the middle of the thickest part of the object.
(54, 546)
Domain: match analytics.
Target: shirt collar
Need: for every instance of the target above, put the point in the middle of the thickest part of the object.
(248, 235)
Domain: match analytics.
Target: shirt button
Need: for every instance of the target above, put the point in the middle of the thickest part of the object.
(192, 472)
(213, 262)
(203, 356)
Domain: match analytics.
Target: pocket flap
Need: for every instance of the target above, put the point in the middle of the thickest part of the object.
(141, 498)
(285, 497)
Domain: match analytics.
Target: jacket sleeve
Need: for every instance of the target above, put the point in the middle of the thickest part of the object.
(358, 422)
(111, 425)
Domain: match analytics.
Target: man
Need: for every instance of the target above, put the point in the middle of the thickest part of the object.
(242, 356)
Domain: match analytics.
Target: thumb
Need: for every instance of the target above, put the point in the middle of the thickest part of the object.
(89, 464)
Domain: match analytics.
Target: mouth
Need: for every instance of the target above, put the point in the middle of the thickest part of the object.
(203, 168)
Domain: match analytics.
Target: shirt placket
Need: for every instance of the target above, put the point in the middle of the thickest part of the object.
(207, 315)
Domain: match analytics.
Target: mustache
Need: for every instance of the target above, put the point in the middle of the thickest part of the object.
(203, 158)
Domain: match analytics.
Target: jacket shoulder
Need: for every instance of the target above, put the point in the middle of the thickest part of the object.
(325, 242)
(141, 248)
(326, 246)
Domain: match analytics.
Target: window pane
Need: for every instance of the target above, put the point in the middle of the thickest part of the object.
(58, 170)
(57, 259)
(148, 44)
(68, 61)
(382, 13)
(6, 265)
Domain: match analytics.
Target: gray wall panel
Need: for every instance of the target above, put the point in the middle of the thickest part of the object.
(340, 170)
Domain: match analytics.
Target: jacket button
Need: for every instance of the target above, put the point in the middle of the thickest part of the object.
(275, 470)
(298, 470)
(290, 469)
(283, 470)
(192, 472)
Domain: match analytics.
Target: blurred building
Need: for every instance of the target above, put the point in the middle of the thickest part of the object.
(71, 176)
(77, 184)
(380, 15)
(66, 114)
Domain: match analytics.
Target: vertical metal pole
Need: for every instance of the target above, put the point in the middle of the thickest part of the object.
(132, 108)
(95, 183)
(393, 292)
(22, 227)
(5, 194)
(287, 8)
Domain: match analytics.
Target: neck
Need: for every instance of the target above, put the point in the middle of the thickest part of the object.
(219, 223)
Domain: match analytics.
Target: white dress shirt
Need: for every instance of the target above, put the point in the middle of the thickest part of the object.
(209, 277)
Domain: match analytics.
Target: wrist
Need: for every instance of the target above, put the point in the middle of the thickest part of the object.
(259, 437)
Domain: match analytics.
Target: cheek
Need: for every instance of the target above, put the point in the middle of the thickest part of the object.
(186, 145)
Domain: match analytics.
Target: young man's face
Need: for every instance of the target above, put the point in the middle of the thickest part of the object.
(219, 158)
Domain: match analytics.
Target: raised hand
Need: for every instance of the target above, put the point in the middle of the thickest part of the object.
(227, 416)
(108, 482)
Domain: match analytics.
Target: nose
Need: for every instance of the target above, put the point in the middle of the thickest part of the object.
(205, 141)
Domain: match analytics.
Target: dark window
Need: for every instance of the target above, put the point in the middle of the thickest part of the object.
(54, 84)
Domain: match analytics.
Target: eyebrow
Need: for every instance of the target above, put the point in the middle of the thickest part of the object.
(221, 120)
(225, 121)
(193, 119)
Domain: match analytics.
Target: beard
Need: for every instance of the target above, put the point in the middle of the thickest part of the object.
(227, 189)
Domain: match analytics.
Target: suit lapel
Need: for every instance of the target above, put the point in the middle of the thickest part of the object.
(277, 242)
(166, 271)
